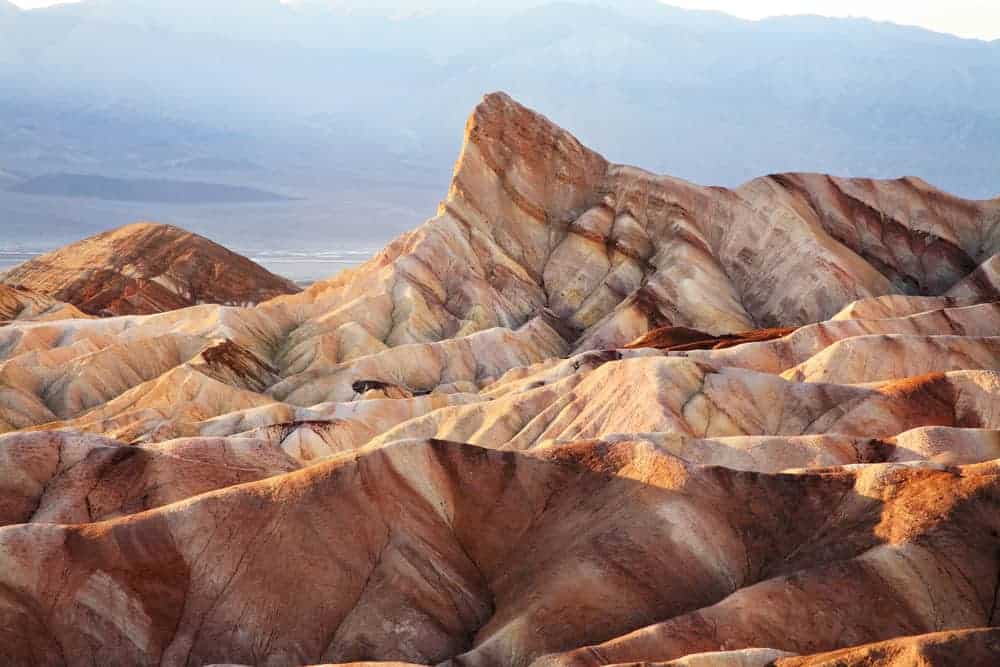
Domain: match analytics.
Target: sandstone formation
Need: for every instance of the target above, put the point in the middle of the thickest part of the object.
(681, 339)
(969, 647)
(147, 268)
(23, 304)
(429, 551)
(585, 415)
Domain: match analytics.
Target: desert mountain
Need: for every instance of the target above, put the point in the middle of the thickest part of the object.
(585, 415)
(147, 268)
(698, 89)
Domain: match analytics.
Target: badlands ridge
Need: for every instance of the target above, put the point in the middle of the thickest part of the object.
(146, 268)
(585, 415)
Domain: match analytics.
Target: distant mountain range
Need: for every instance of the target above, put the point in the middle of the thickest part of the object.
(142, 190)
(348, 92)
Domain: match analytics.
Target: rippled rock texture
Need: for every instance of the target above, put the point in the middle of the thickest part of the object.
(585, 415)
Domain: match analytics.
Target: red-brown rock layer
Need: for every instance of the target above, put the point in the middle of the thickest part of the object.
(942, 649)
(682, 339)
(147, 268)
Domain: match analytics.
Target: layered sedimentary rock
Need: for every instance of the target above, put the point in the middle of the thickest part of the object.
(585, 415)
(23, 304)
(147, 268)
(57, 477)
(969, 647)
(430, 551)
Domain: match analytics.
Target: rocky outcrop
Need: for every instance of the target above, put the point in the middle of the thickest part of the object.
(60, 477)
(969, 647)
(585, 415)
(147, 268)
(22, 304)
(681, 339)
(535, 221)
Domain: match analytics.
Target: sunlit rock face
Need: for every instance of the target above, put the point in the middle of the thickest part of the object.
(18, 303)
(147, 268)
(585, 415)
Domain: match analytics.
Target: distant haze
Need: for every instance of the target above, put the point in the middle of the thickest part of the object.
(354, 109)
(978, 19)
(966, 18)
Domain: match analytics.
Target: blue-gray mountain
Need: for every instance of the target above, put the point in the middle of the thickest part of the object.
(369, 93)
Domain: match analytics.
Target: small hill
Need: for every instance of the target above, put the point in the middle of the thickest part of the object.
(147, 268)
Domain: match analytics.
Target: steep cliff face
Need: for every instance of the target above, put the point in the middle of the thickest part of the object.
(585, 415)
(147, 268)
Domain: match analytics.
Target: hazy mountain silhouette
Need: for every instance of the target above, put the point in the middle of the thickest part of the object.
(142, 190)
(331, 91)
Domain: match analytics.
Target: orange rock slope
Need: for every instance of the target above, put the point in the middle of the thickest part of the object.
(585, 415)
(147, 268)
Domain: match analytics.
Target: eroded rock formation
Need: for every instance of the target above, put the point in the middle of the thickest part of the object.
(585, 415)
(147, 268)
(23, 304)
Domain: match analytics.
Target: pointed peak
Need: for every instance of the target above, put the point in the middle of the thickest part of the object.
(542, 169)
(500, 117)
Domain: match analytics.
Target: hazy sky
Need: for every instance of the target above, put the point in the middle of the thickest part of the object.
(968, 18)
